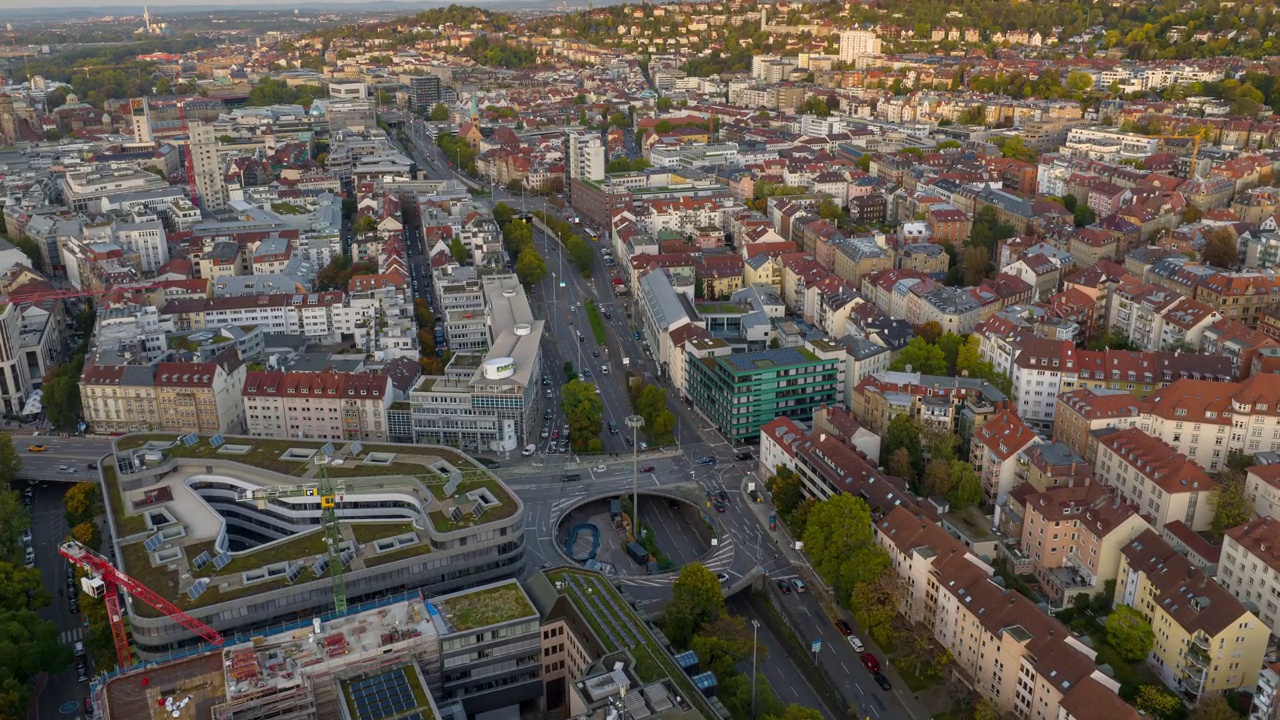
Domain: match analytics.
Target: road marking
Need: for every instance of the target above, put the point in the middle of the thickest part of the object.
(846, 668)
(68, 637)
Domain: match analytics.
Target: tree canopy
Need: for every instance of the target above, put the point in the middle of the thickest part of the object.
(583, 411)
(838, 540)
(696, 601)
(1129, 633)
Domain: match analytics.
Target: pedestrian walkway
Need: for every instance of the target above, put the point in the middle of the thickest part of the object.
(72, 636)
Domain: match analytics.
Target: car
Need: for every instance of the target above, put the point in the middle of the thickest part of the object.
(723, 578)
(595, 353)
(883, 682)
(708, 460)
(607, 316)
(798, 585)
(586, 374)
(743, 456)
(545, 433)
(629, 441)
(73, 607)
(37, 448)
(870, 662)
(82, 673)
(66, 469)
(844, 628)
(636, 334)
(529, 450)
(546, 379)
(602, 468)
(79, 648)
(26, 536)
(93, 466)
(720, 507)
(856, 643)
(581, 338)
(29, 558)
(88, 705)
(644, 445)
(724, 496)
(784, 587)
(546, 415)
(550, 394)
(613, 428)
(647, 469)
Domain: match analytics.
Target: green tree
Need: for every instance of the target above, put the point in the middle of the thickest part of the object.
(10, 462)
(162, 86)
(1079, 82)
(363, 224)
(29, 646)
(966, 486)
(439, 113)
(1213, 706)
(829, 210)
(1231, 506)
(696, 602)
(795, 712)
(838, 540)
(503, 214)
(950, 344)
(722, 643)
(459, 251)
(976, 115)
(1015, 149)
(1129, 633)
(61, 401)
(875, 603)
(1084, 215)
(16, 582)
(14, 518)
(583, 411)
(1220, 249)
(814, 105)
(580, 254)
(921, 357)
(903, 432)
(530, 267)
(784, 487)
(1157, 702)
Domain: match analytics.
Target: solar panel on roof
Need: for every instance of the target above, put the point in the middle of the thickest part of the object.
(294, 573)
(201, 560)
(221, 561)
(320, 566)
(197, 588)
(154, 542)
(346, 558)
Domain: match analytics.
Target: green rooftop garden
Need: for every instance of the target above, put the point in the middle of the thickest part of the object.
(284, 208)
(720, 308)
(482, 608)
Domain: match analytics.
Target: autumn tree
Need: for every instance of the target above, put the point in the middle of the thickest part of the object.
(81, 503)
(784, 487)
(1220, 249)
(903, 432)
(876, 601)
(1213, 706)
(1157, 702)
(899, 465)
(936, 479)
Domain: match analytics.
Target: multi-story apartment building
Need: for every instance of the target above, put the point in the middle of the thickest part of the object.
(324, 405)
(1262, 486)
(1206, 420)
(1013, 654)
(1236, 342)
(1082, 414)
(198, 397)
(740, 393)
(950, 404)
(1073, 536)
(1161, 482)
(954, 309)
(994, 452)
(490, 665)
(1206, 641)
(858, 43)
(1240, 296)
(1249, 567)
(1155, 318)
(323, 317)
(1042, 370)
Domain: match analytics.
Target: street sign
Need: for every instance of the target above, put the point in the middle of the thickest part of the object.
(561, 283)
(817, 645)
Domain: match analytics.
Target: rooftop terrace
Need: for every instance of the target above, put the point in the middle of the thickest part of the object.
(483, 607)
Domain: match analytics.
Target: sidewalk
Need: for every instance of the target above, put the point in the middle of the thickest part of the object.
(912, 702)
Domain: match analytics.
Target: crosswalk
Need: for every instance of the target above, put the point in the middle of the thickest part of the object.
(720, 561)
(69, 637)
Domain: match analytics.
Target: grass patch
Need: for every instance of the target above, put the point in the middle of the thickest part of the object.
(421, 548)
(282, 208)
(597, 322)
(915, 683)
(126, 525)
(485, 607)
(368, 532)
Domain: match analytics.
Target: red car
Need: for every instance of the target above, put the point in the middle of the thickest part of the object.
(647, 468)
(870, 662)
(844, 628)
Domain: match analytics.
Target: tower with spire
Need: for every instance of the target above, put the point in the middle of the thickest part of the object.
(146, 19)
(475, 112)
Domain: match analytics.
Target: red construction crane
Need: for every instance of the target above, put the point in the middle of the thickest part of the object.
(103, 582)
(191, 165)
(41, 296)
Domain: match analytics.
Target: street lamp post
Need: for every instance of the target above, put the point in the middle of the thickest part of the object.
(635, 422)
(755, 647)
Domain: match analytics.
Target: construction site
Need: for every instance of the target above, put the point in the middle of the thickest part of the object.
(363, 666)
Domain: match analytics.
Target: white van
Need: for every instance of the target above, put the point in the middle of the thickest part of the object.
(529, 450)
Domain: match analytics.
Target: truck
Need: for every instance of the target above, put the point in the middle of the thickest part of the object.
(626, 362)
